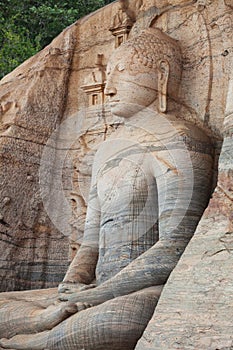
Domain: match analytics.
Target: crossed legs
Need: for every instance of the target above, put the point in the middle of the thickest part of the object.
(114, 325)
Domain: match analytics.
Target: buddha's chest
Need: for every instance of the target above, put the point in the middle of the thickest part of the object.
(122, 181)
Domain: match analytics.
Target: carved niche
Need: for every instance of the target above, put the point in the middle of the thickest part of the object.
(94, 83)
(121, 24)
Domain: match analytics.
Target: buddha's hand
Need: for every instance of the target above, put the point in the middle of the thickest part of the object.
(82, 306)
(74, 298)
(70, 288)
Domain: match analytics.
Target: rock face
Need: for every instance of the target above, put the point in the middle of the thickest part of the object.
(54, 116)
(33, 250)
(195, 310)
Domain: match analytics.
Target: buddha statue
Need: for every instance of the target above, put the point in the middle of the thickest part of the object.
(151, 182)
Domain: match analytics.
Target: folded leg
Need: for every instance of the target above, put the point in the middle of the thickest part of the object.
(114, 325)
(22, 317)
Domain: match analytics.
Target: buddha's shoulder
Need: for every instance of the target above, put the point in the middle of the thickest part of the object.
(182, 122)
(191, 130)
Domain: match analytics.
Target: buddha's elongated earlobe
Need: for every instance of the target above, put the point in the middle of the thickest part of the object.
(163, 74)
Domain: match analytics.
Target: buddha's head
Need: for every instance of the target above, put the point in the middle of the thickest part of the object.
(144, 70)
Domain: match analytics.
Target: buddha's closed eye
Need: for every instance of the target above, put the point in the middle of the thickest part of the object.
(120, 67)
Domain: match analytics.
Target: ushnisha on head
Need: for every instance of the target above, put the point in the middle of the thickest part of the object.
(144, 70)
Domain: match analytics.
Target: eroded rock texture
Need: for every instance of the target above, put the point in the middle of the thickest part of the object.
(33, 98)
(40, 232)
(195, 310)
(56, 84)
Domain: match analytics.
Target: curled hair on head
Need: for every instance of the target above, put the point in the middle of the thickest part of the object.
(151, 47)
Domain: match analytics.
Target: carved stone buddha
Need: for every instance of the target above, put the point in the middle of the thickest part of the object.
(151, 181)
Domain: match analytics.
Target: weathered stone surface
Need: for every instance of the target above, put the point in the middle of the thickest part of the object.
(59, 100)
(32, 103)
(35, 98)
(68, 61)
(195, 310)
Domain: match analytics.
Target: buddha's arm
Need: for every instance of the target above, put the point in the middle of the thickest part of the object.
(82, 268)
(150, 269)
(178, 218)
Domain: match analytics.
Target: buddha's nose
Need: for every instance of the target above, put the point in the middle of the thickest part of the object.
(110, 91)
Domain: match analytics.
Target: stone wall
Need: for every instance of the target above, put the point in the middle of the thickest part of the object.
(33, 99)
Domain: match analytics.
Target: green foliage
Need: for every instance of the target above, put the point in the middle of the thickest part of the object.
(16, 47)
(27, 26)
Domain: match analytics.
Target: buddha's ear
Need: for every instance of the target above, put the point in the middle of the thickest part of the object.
(163, 74)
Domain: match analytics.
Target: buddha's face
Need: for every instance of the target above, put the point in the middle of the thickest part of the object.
(129, 88)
